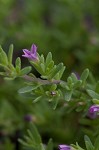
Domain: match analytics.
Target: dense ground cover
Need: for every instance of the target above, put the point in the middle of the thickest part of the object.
(69, 29)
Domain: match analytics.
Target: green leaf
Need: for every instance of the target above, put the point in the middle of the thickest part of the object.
(48, 59)
(84, 75)
(93, 94)
(53, 87)
(10, 54)
(27, 89)
(31, 136)
(88, 143)
(96, 144)
(9, 78)
(18, 64)
(33, 140)
(74, 78)
(95, 101)
(74, 147)
(35, 133)
(64, 85)
(3, 57)
(38, 99)
(68, 95)
(78, 84)
(42, 59)
(37, 67)
(23, 142)
(57, 77)
(69, 80)
(25, 70)
(49, 145)
(41, 147)
(55, 70)
(49, 68)
(79, 148)
(61, 72)
(70, 83)
(50, 65)
(42, 67)
(55, 103)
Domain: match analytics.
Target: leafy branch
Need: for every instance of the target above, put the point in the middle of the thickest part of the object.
(33, 141)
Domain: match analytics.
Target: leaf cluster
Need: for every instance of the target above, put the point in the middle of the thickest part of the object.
(9, 70)
(32, 141)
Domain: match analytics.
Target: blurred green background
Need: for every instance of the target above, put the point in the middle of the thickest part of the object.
(67, 28)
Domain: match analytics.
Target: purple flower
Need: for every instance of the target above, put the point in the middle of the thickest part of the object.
(94, 108)
(28, 118)
(93, 111)
(31, 54)
(64, 147)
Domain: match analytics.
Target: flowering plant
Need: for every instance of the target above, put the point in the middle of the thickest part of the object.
(74, 94)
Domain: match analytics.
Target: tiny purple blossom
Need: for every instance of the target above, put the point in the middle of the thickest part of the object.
(28, 118)
(93, 110)
(32, 53)
(64, 147)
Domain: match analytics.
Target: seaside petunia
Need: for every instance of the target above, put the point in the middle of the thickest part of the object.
(64, 147)
(93, 111)
(32, 53)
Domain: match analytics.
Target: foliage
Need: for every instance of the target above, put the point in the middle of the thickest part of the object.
(76, 93)
(54, 98)
(66, 28)
(33, 141)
